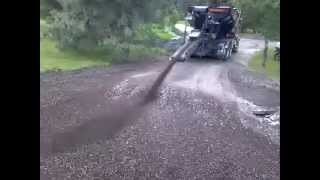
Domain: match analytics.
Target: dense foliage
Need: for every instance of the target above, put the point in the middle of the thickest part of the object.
(88, 24)
(261, 16)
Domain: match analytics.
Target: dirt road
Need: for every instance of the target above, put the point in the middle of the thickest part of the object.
(200, 127)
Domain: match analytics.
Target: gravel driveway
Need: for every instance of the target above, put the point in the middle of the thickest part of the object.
(200, 127)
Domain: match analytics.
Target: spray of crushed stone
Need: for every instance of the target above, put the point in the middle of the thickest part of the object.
(107, 123)
(152, 94)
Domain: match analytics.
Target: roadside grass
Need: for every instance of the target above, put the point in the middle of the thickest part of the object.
(181, 22)
(53, 59)
(272, 69)
(162, 34)
(43, 25)
(153, 32)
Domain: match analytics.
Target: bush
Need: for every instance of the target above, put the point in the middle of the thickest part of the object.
(129, 52)
(151, 35)
(85, 25)
(48, 5)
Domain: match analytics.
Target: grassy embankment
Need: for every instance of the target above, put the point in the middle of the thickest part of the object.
(53, 59)
(272, 69)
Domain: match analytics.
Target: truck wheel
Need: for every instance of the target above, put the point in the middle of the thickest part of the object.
(227, 54)
(235, 48)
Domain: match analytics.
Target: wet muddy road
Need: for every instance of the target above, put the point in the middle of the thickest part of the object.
(201, 126)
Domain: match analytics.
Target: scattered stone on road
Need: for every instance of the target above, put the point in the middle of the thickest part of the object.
(92, 127)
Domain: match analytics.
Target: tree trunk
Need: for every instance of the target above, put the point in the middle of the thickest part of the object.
(127, 52)
(265, 52)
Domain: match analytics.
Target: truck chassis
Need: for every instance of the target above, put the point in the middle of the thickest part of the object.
(215, 33)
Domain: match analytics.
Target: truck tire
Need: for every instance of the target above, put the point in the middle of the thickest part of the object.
(227, 54)
(235, 48)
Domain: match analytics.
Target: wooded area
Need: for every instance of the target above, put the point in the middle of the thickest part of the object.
(85, 24)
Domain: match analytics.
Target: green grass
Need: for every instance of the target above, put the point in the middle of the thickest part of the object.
(272, 69)
(43, 25)
(153, 31)
(163, 35)
(44, 28)
(181, 22)
(51, 58)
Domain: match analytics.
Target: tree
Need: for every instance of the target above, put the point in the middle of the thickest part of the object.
(270, 21)
(86, 24)
(263, 17)
(270, 25)
(265, 52)
(47, 5)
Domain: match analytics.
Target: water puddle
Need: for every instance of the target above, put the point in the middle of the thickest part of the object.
(249, 108)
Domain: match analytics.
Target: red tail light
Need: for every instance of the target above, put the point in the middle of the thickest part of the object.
(218, 10)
